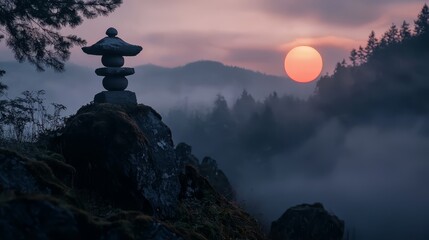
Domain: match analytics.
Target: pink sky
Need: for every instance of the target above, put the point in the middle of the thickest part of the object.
(254, 34)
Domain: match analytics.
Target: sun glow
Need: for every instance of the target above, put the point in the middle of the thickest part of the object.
(303, 64)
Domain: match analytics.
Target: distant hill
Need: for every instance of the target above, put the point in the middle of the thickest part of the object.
(206, 73)
(195, 83)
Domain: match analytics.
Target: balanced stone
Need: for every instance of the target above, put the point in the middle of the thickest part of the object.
(113, 49)
(116, 97)
(112, 61)
(114, 71)
(115, 83)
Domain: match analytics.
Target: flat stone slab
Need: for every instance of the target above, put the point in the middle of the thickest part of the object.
(113, 46)
(116, 97)
(114, 71)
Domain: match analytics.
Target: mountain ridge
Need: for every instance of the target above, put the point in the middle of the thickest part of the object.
(196, 83)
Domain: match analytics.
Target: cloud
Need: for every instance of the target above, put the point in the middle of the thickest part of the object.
(180, 47)
(263, 59)
(334, 41)
(236, 49)
(333, 12)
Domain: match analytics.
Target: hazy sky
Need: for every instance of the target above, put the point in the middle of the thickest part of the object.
(255, 34)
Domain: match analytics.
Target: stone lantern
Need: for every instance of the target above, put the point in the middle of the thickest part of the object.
(113, 49)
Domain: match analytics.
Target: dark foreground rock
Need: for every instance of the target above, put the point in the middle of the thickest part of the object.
(126, 154)
(205, 214)
(44, 218)
(115, 175)
(21, 175)
(307, 222)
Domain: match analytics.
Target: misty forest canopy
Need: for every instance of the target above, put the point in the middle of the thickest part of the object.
(31, 28)
(388, 75)
(387, 78)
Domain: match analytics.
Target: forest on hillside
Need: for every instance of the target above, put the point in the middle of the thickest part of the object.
(384, 81)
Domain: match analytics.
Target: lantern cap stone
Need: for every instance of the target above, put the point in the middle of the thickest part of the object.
(112, 45)
(111, 32)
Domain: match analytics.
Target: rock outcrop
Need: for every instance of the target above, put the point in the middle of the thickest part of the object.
(307, 222)
(126, 154)
(205, 214)
(115, 176)
(20, 175)
(216, 177)
(185, 156)
(208, 168)
(42, 218)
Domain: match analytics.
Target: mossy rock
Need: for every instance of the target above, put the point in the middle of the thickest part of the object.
(41, 217)
(21, 175)
(125, 154)
(56, 162)
(205, 214)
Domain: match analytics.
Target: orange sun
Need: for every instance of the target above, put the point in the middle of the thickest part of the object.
(303, 64)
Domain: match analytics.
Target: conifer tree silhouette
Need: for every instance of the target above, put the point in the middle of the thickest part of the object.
(421, 25)
(32, 28)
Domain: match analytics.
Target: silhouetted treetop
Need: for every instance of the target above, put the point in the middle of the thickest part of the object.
(405, 32)
(31, 27)
(422, 22)
(371, 44)
(353, 57)
(390, 37)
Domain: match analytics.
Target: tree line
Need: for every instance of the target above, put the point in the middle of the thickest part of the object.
(385, 79)
(392, 36)
(248, 129)
(388, 75)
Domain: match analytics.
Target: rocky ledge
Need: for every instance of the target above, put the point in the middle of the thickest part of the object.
(113, 173)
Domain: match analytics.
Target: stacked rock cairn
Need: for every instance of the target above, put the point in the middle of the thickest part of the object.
(113, 49)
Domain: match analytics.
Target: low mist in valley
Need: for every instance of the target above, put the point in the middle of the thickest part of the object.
(372, 173)
(359, 144)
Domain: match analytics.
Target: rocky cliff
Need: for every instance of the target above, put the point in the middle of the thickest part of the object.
(116, 175)
(113, 173)
(124, 154)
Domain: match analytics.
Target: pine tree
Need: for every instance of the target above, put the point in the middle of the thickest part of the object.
(340, 66)
(244, 107)
(390, 36)
(405, 32)
(361, 55)
(353, 57)
(32, 28)
(220, 114)
(421, 25)
(371, 45)
(393, 34)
